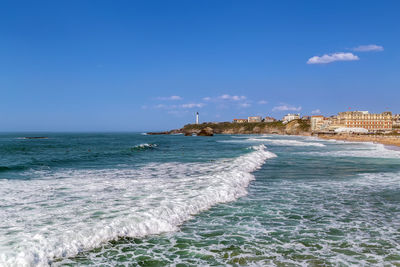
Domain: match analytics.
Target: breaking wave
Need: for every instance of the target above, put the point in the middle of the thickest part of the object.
(275, 142)
(359, 150)
(70, 211)
(144, 146)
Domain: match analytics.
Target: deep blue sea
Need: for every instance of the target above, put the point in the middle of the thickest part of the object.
(129, 199)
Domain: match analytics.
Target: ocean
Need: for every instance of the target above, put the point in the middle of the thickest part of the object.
(129, 199)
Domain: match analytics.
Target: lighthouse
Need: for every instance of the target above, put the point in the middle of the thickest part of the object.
(197, 118)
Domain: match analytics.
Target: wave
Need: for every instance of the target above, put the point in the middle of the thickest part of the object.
(144, 146)
(360, 150)
(71, 211)
(276, 142)
(282, 142)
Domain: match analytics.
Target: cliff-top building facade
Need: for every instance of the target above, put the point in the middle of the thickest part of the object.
(269, 119)
(239, 120)
(254, 119)
(290, 117)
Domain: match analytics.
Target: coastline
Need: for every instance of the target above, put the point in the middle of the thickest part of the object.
(295, 128)
(380, 139)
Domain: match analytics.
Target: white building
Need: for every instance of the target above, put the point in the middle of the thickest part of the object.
(290, 117)
(316, 122)
(254, 119)
(396, 121)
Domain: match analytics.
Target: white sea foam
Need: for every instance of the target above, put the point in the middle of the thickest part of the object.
(284, 142)
(66, 212)
(359, 150)
(276, 142)
(145, 146)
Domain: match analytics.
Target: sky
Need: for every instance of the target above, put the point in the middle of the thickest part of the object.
(151, 65)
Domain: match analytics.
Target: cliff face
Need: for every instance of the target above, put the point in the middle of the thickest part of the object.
(296, 127)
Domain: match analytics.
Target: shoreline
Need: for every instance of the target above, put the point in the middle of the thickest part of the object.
(380, 139)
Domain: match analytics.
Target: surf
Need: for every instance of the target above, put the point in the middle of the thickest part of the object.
(81, 209)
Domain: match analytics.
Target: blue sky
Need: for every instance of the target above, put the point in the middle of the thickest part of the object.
(150, 65)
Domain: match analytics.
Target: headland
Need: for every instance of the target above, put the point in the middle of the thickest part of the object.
(295, 127)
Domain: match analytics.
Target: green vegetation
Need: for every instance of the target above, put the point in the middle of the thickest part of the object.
(226, 126)
(293, 127)
(305, 125)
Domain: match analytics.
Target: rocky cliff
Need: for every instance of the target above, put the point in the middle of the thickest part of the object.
(296, 127)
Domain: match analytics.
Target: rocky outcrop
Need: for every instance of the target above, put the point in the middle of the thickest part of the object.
(158, 133)
(297, 127)
(175, 131)
(208, 131)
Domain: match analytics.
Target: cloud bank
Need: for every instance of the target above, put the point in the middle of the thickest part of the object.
(329, 58)
(193, 105)
(368, 48)
(232, 97)
(286, 108)
(173, 97)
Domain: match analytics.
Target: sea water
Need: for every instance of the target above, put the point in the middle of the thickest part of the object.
(133, 199)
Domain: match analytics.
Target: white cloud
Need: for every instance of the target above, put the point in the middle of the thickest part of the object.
(244, 105)
(317, 111)
(193, 105)
(160, 106)
(285, 107)
(232, 97)
(368, 48)
(173, 97)
(207, 98)
(332, 58)
(262, 102)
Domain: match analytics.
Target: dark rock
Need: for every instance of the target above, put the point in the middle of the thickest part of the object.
(208, 131)
(157, 133)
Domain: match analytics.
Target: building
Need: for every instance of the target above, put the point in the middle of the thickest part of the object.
(290, 117)
(254, 119)
(197, 118)
(396, 121)
(366, 120)
(239, 120)
(269, 119)
(316, 123)
(306, 118)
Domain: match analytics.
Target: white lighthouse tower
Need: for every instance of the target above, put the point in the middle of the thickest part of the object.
(197, 118)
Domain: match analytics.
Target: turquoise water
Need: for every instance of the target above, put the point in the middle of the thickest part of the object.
(133, 199)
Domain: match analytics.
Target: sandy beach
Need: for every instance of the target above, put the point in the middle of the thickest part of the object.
(381, 139)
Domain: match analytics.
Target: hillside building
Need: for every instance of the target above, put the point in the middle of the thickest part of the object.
(239, 120)
(269, 119)
(254, 119)
(290, 117)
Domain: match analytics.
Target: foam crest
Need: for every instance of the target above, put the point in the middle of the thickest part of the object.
(276, 142)
(284, 142)
(70, 211)
(359, 150)
(144, 146)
